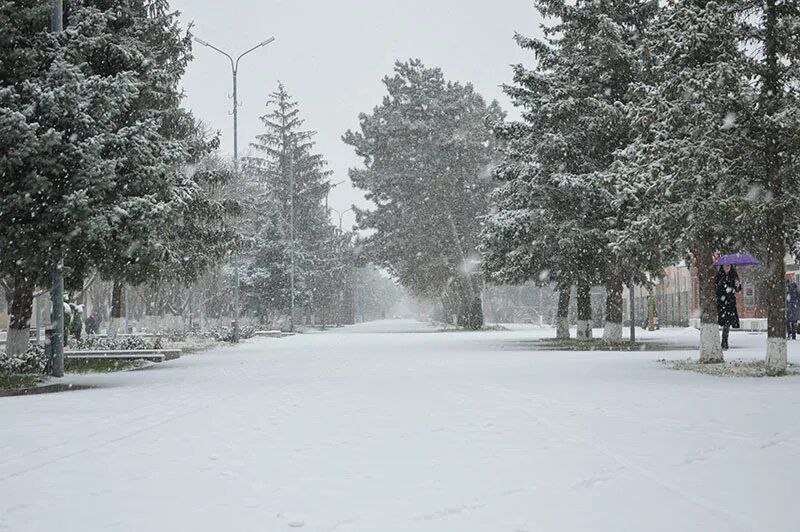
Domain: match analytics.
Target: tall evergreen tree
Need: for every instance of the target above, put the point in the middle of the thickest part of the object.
(772, 122)
(713, 147)
(149, 191)
(555, 210)
(427, 150)
(57, 118)
(285, 152)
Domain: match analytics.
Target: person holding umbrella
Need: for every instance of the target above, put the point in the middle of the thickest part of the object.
(792, 309)
(727, 282)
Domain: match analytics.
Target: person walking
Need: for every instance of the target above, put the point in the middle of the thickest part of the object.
(792, 309)
(727, 281)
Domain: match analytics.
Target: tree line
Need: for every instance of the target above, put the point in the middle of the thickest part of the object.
(649, 133)
(652, 133)
(103, 171)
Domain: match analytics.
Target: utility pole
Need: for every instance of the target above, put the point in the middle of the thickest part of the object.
(235, 74)
(291, 235)
(57, 294)
(632, 310)
(678, 288)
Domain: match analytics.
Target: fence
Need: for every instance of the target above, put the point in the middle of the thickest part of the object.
(672, 309)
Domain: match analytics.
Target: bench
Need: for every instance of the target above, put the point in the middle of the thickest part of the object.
(151, 355)
(269, 334)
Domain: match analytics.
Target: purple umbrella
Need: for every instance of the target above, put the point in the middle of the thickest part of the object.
(737, 259)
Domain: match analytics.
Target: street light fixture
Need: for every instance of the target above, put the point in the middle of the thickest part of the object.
(331, 187)
(341, 214)
(235, 73)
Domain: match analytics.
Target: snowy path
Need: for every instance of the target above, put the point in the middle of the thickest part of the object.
(374, 429)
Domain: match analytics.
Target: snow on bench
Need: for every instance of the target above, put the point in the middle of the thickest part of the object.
(269, 334)
(152, 355)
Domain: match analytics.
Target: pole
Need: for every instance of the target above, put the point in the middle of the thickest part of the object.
(57, 23)
(127, 315)
(678, 288)
(57, 295)
(235, 72)
(291, 236)
(57, 338)
(236, 171)
(632, 311)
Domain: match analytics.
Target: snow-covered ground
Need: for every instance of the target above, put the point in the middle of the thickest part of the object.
(378, 429)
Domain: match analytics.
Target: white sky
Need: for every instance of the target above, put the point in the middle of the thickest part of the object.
(332, 55)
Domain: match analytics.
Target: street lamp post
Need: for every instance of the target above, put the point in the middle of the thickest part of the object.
(57, 294)
(235, 74)
(291, 236)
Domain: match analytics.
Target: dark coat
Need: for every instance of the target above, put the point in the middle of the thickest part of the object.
(727, 286)
(792, 302)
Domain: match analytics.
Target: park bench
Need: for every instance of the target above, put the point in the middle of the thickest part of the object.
(151, 355)
(269, 334)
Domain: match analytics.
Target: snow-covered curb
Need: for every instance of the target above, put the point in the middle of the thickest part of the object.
(730, 368)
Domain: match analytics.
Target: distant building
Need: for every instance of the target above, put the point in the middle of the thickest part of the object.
(677, 297)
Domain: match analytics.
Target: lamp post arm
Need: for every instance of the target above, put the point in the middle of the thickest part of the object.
(223, 52)
(254, 48)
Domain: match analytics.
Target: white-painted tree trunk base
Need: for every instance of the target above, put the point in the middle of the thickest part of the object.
(776, 356)
(710, 347)
(562, 328)
(612, 332)
(584, 330)
(17, 341)
(113, 327)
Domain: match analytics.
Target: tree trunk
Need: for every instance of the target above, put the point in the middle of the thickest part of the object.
(20, 309)
(776, 360)
(710, 347)
(562, 313)
(473, 313)
(116, 309)
(584, 311)
(613, 326)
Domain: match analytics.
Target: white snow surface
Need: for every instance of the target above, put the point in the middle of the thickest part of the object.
(392, 426)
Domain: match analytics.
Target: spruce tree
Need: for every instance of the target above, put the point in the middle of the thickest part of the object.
(285, 152)
(57, 119)
(772, 124)
(686, 166)
(555, 209)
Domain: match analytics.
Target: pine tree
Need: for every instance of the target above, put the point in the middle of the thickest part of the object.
(427, 150)
(686, 167)
(149, 191)
(285, 152)
(57, 119)
(555, 210)
(772, 123)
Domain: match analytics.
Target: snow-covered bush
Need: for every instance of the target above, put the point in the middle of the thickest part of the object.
(120, 343)
(225, 334)
(174, 335)
(32, 361)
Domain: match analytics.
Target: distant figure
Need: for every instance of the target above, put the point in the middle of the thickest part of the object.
(727, 281)
(792, 309)
(92, 323)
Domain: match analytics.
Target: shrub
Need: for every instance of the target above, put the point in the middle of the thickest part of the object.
(225, 334)
(125, 343)
(31, 361)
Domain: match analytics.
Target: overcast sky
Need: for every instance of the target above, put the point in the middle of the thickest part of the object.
(332, 55)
